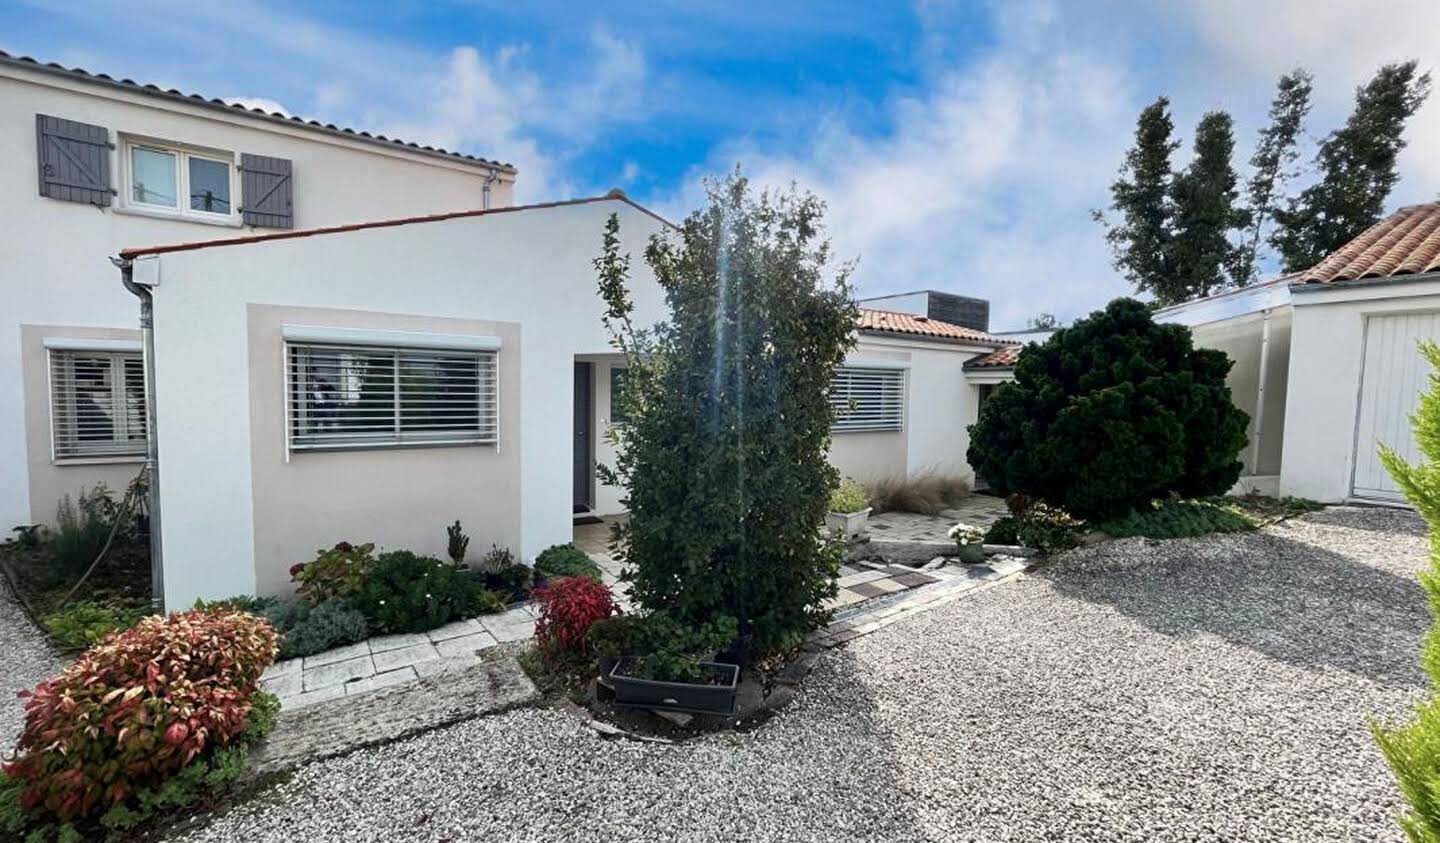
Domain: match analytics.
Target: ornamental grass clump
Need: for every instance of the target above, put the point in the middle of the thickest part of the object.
(1413, 749)
(723, 454)
(133, 711)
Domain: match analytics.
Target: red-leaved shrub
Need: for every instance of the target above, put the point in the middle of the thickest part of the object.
(568, 607)
(134, 709)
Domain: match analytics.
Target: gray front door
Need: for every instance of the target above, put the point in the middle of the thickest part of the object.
(583, 417)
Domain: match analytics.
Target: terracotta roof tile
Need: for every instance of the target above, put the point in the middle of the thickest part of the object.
(1405, 243)
(1001, 358)
(890, 322)
(82, 74)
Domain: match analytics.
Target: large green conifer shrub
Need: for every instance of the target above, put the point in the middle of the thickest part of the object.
(1109, 414)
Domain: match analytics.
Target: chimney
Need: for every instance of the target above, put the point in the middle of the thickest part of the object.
(958, 310)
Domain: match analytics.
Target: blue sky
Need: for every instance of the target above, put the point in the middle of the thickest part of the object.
(960, 146)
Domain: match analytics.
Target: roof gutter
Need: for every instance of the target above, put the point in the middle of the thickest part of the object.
(152, 430)
(1311, 287)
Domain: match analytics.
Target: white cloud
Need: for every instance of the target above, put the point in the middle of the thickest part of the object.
(1342, 43)
(263, 103)
(497, 105)
(985, 184)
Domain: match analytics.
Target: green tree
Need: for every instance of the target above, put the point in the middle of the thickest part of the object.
(1273, 165)
(1204, 211)
(1043, 322)
(1109, 414)
(723, 456)
(1140, 241)
(1357, 170)
(1413, 749)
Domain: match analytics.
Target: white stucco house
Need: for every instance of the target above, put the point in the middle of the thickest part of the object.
(1327, 364)
(376, 381)
(92, 164)
(348, 336)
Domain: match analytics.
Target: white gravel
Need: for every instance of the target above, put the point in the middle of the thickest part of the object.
(25, 660)
(1200, 690)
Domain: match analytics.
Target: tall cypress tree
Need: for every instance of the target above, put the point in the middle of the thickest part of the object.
(1203, 205)
(1273, 163)
(1140, 241)
(1357, 170)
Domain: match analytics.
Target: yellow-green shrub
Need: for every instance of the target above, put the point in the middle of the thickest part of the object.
(1413, 749)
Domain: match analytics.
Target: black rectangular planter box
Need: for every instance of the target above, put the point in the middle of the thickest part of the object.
(677, 696)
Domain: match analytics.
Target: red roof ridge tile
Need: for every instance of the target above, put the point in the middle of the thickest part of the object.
(614, 195)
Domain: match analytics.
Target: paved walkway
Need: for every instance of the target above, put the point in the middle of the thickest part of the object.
(390, 660)
(1202, 690)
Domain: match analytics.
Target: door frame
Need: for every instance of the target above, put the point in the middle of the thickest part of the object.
(584, 374)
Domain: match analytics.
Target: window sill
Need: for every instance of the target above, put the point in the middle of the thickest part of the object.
(65, 462)
(390, 446)
(218, 222)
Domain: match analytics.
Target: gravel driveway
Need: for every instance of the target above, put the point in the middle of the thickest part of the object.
(1213, 689)
(25, 660)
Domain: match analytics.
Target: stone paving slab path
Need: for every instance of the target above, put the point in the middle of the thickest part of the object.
(389, 660)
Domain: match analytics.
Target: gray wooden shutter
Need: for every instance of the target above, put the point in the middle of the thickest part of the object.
(74, 160)
(266, 191)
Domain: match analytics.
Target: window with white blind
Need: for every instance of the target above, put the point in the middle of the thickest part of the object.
(343, 396)
(867, 399)
(97, 404)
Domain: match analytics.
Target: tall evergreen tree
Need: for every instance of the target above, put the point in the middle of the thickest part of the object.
(1273, 163)
(1357, 170)
(1140, 241)
(1204, 211)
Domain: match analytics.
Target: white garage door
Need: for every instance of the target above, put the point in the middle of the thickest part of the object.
(1395, 374)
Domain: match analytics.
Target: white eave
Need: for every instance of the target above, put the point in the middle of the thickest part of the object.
(1231, 304)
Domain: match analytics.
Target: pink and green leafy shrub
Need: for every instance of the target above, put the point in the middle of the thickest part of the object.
(134, 710)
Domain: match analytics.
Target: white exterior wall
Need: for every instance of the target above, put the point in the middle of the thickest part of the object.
(531, 267)
(940, 402)
(53, 255)
(1326, 360)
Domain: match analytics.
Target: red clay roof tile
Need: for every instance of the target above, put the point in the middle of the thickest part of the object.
(1001, 358)
(1405, 243)
(890, 322)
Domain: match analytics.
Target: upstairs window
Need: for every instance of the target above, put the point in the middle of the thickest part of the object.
(867, 399)
(342, 396)
(97, 404)
(175, 180)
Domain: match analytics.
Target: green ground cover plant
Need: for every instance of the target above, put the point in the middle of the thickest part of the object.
(565, 560)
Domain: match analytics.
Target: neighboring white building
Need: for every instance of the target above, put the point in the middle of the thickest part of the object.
(93, 164)
(918, 396)
(1327, 360)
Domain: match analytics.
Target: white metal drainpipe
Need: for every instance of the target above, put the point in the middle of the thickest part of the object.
(1260, 390)
(152, 431)
(485, 189)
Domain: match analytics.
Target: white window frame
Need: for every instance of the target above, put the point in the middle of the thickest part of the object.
(885, 415)
(182, 156)
(486, 351)
(120, 447)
